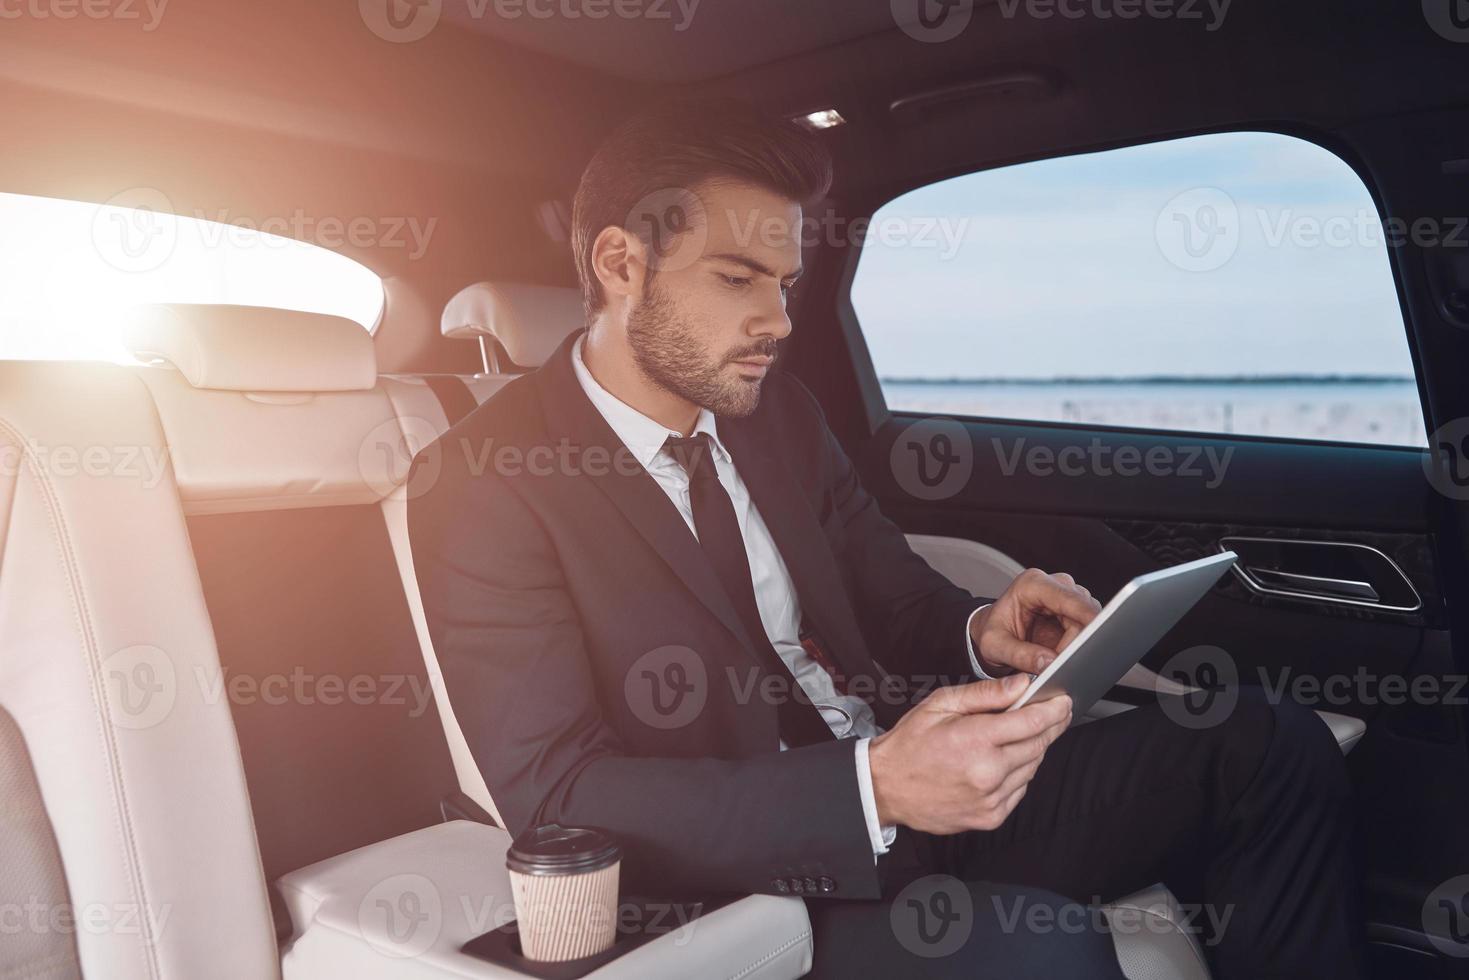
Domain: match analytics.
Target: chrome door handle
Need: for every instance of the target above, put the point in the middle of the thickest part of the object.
(1346, 573)
(1313, 585)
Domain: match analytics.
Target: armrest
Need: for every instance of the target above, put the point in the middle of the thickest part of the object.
(1347, 730)
(402, 908)
(1153, 937)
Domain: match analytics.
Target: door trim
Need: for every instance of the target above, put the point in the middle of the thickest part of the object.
(1251, 582)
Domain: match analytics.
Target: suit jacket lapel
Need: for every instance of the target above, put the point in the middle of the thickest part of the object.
(803, 546)
(571, 415)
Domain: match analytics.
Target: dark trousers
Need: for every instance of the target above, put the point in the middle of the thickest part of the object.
(1248, 820)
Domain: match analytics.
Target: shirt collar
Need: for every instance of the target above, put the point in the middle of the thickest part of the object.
(643, 436)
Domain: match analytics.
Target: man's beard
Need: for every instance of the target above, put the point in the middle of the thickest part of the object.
(668, 351)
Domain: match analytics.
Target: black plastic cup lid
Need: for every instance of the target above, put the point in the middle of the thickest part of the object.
(552, 849)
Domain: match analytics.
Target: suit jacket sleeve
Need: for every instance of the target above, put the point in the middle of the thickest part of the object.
(915, 619)
(511, 648)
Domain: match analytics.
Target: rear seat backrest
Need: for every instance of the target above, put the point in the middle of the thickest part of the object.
(121, 785)
(530, 320)
(103, 633)
(292, 464)
(282, 469)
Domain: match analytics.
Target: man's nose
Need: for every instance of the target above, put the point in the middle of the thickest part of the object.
(772, 320)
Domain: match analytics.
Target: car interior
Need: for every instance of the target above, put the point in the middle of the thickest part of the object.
(225, 745)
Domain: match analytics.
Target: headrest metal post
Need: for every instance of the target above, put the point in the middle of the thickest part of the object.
(489, 358)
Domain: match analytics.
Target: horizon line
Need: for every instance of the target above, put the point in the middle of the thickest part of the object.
(1164, 379)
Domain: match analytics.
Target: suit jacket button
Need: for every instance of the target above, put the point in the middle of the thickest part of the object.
(810, 884)
(827, 885)
(780, 885)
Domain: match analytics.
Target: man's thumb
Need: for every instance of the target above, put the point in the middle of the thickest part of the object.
(990, 695)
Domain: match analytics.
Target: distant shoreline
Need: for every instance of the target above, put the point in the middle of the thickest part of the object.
(1169, 379)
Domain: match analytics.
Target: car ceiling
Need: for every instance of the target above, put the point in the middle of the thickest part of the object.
(524, 92)
(682, 41)
(1042, 84)
(280, 104)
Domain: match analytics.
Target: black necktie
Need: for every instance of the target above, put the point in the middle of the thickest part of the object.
(719, 535)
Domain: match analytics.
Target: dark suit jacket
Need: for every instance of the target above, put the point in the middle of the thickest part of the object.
(562, 586)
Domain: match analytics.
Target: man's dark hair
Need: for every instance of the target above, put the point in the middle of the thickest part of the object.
(684, 146)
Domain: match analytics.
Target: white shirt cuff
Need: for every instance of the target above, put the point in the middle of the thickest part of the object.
(880, 836)
(969, 642)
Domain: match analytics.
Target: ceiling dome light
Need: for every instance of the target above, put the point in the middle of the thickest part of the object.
(820, 119)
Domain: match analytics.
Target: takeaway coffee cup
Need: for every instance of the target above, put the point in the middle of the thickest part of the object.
(564, 880)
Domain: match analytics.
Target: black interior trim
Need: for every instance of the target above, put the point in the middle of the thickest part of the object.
(339, 733)
(1311, 485)
(458, 806)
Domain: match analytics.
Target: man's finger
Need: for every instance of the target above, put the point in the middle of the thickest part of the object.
(1071, 633)
(980, 696)
(1007, 648)
(1026, 751)
(1045, 739)
(1066, 600)
(1014, 800)
(1020, 776)
(1023, 723)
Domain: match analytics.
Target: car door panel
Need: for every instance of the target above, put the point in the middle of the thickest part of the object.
(1357, 660)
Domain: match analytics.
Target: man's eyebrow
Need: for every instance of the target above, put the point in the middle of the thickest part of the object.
(754, 266)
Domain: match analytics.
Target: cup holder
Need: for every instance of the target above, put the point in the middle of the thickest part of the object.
(640, 921)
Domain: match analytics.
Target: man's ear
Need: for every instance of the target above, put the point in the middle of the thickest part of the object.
(619, 259)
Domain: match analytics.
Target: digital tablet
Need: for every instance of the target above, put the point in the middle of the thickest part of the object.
(1125, 629)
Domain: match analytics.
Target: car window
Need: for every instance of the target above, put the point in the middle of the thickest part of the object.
(71, 270)
(1227, 283)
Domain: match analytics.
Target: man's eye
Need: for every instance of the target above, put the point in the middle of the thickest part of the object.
(736, 281)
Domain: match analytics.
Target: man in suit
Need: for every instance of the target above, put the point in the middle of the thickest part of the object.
(664, 605)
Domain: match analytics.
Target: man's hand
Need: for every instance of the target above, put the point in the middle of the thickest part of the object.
(1034, 620)
(959, 761)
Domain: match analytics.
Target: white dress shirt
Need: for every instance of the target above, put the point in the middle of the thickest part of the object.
(775, 593)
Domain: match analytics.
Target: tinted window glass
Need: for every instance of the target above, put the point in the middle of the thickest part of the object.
(1229, 283)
